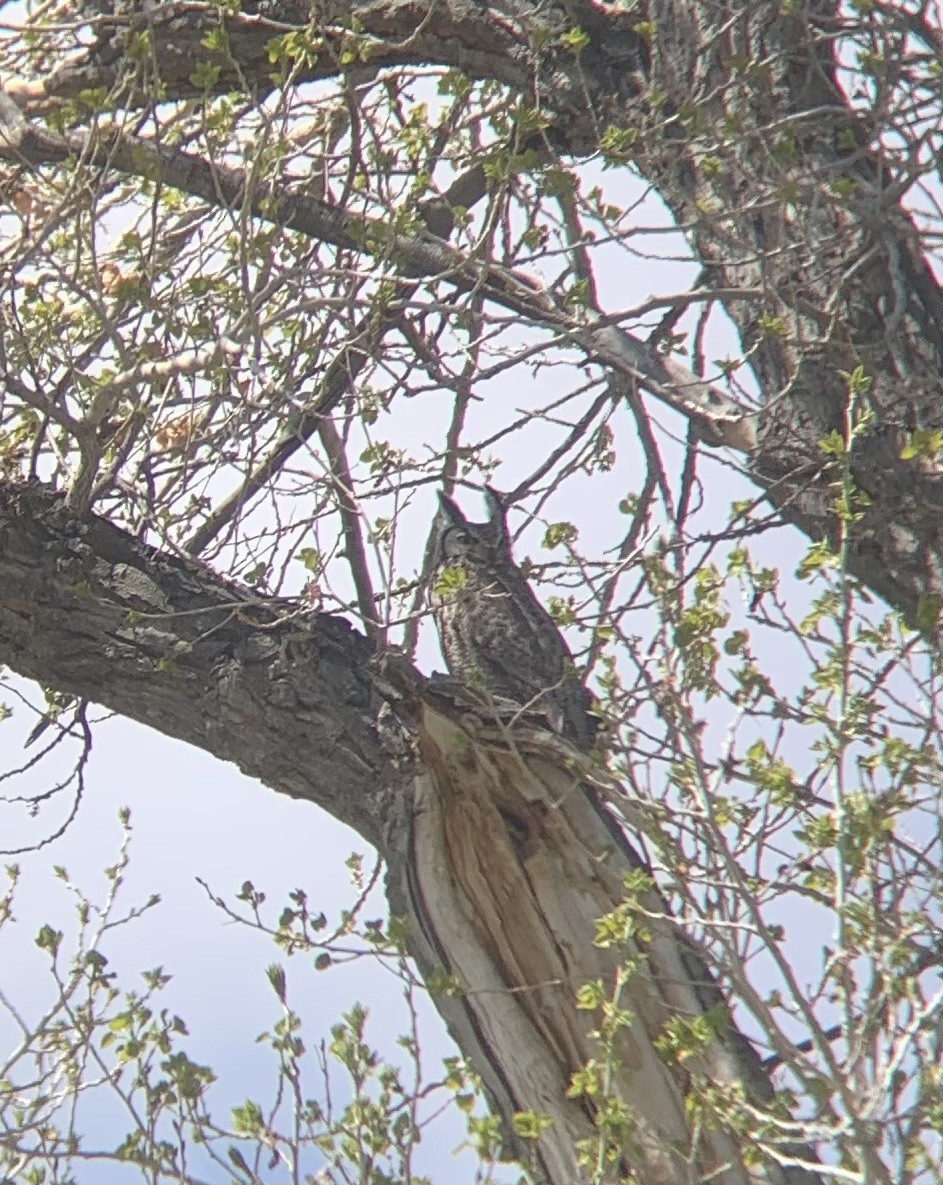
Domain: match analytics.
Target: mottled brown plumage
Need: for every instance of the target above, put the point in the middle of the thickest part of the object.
(495, 634)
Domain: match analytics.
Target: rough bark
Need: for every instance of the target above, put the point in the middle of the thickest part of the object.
(288, 698)
(840, 264)
(500, 858)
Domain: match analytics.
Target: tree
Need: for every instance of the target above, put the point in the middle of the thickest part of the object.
(250, 241)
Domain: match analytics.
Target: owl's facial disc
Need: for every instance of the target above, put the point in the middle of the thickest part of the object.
(458, 542)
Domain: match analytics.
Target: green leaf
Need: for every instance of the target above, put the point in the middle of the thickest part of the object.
(575, 39)
(205, 76)
(310, 557)
(451, 580)
(528, 1124)
(923, 443)
(49, 939)
(558, 533)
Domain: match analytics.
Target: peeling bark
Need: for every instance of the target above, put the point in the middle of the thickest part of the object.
(513, 861)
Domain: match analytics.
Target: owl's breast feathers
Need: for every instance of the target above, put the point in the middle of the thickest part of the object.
(496, 634)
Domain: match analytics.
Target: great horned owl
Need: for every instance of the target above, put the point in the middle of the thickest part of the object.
(495, 634)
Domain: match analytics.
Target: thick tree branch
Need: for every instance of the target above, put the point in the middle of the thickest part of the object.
(287, 697)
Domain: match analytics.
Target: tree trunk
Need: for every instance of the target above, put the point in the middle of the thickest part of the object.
(805, 208)
(500, 857)
(512, 863)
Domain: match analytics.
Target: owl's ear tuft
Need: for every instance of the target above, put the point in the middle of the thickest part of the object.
(497, 516)
(449, 513)
(448, 517)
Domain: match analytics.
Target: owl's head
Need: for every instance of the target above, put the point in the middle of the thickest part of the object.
(456, 539)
